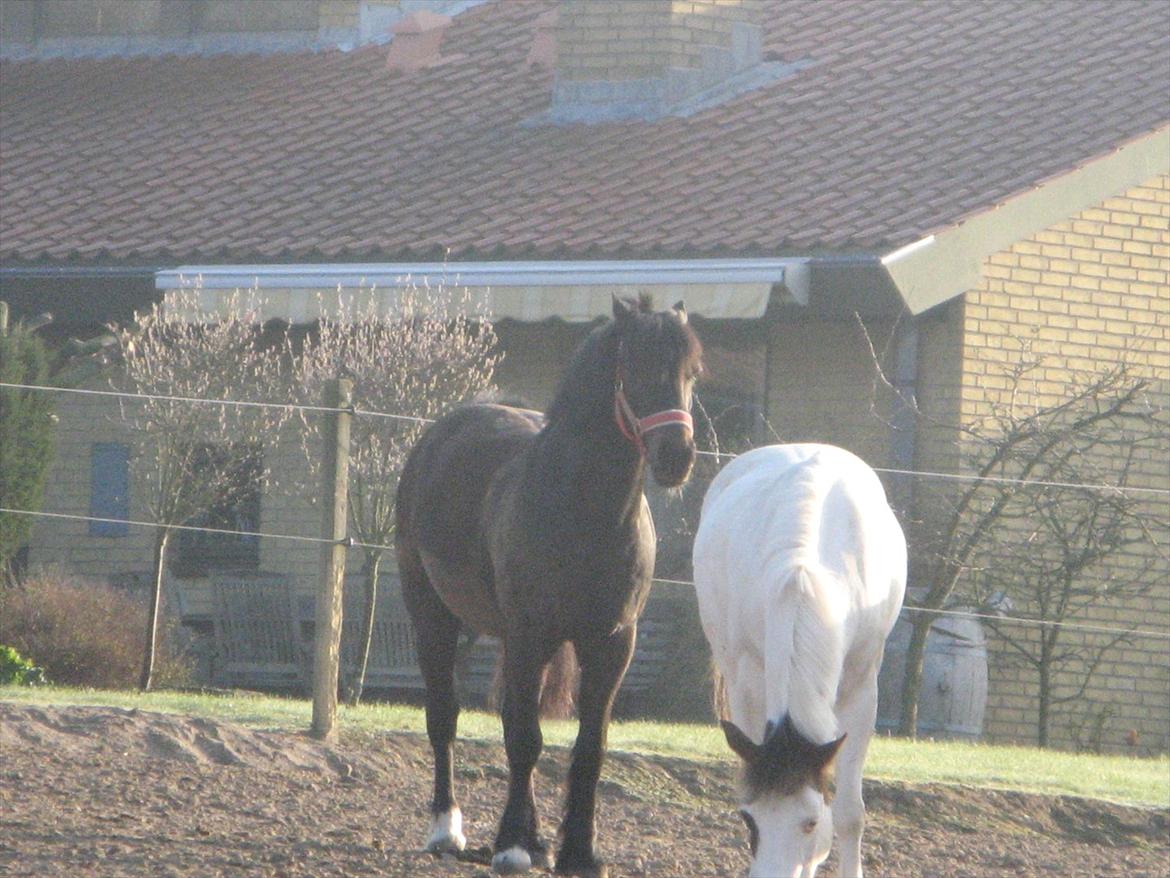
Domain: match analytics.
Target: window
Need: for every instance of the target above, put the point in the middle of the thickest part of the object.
(109, 489)
(198, 553)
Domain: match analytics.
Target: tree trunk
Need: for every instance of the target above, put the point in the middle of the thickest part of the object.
(1044, 702)
(1043, 707)
(912, 677)
(358, 683)
(160, 555)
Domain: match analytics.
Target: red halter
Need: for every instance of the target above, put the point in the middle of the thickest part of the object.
(633, 427)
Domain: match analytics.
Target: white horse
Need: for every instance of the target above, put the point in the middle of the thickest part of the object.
(800, 569)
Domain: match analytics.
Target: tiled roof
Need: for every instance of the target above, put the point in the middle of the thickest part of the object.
(910, 117)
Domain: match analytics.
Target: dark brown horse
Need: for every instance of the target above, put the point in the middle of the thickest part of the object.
(535, 529)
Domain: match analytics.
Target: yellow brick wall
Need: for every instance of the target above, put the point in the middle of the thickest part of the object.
(636, 39)
(66, 543)
(82, 421)
(1085, 293)
(820, 386)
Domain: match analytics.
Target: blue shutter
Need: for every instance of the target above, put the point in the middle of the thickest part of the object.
(109, 494)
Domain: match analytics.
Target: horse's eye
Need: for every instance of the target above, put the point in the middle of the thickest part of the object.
(808, 825)
(753, 831)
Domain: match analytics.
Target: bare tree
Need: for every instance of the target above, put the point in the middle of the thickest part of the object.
(411, 354)
(188, 455)
(1023, 437)
(1057, 556)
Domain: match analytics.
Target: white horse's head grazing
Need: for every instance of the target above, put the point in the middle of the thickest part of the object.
(786, 799)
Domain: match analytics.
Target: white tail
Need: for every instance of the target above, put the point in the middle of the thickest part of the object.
(803, 651)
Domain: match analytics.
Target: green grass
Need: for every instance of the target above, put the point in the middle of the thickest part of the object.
(1115, 778)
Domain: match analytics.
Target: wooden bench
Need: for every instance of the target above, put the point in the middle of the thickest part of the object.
(256, 642)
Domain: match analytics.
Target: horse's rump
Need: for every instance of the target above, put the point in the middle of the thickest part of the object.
(798, 645)
(441, 494)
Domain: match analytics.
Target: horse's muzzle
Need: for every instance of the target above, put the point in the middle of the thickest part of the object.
(670, 451)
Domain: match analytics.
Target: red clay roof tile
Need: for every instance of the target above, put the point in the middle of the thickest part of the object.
(909, 118)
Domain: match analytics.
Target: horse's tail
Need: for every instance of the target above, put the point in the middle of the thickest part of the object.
(558, 696)
(804, 651)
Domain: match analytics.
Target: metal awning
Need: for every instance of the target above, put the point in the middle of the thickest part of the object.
(530, 291)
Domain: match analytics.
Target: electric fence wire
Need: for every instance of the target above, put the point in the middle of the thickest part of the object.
(1119, 489)
(996, 618)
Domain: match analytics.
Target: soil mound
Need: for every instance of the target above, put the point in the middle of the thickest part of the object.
(112, 792)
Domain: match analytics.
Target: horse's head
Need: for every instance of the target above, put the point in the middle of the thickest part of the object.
(658, 357)
(786, 799)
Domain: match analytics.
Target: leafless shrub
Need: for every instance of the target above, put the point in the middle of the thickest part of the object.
(413, 352)
(76, 630)
(1045, 547)
(187, 454)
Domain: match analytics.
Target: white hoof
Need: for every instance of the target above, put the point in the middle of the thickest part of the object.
(447, 834)
(513, 861)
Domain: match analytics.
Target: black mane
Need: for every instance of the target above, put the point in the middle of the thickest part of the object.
(586, 386)
(787, 761)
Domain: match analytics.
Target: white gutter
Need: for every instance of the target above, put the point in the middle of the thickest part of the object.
(576, 290)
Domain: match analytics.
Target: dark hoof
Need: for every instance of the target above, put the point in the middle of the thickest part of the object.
(541, 858)
(581, 867)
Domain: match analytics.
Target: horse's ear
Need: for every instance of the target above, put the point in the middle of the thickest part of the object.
(743, 746)
(826, 753)
(681, 310)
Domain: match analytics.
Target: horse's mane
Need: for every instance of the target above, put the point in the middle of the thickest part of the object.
(787, 760)
(586, 386)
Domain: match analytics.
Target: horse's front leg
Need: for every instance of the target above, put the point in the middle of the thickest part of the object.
(856, 717)
(603, 665)
(518, 845)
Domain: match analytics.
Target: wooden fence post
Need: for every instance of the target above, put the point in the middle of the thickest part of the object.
(327, 630)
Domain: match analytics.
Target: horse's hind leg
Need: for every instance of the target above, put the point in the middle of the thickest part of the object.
(437, 634)
(602, 667)
(856, 717)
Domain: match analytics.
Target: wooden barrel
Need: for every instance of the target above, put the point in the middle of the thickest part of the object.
(954, 679)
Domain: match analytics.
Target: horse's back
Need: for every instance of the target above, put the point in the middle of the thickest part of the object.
(785, 504)
(791, 533)
(440, 502)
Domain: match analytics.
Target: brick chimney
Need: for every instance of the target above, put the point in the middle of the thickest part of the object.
(417, 41)
(643, 59)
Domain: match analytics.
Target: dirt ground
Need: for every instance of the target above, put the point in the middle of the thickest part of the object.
(108, 792)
